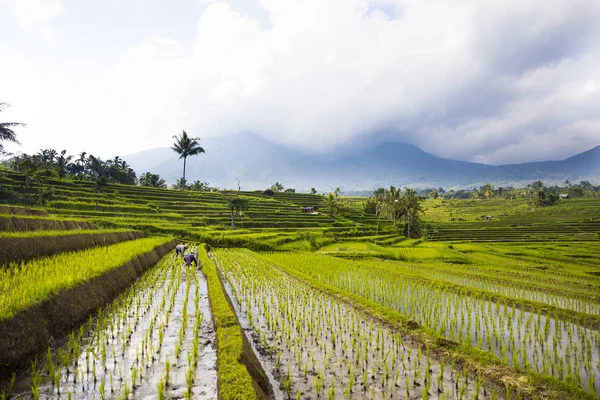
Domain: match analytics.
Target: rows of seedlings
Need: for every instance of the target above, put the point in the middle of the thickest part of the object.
(524, 340)
(153, 341)
(317, 347)
(581, 302)
(512, 264)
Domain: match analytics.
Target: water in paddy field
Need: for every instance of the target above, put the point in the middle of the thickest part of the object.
(133, 340)
(265, 362)
(314, 346)
(580, 303)
(524, 339)
(539, 342)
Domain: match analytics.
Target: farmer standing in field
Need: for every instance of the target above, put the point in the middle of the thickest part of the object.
(189, 258)
(180, 248)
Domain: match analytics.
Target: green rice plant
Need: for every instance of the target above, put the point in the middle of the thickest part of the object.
(36, 379)
(9, 390)
(331, 392)
(101, 390)
(23, 285)
(160, 389)
(189, 378)
(126, 390)
(473, 320)
(302, 319)
(319, 382)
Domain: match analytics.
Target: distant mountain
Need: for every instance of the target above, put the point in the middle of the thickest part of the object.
(258, 163)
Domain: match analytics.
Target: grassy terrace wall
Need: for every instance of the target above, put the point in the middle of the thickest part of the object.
(32, 330)
(186, 214)
(240, 373)
(14, 248)
(18, 223)
(16, 210)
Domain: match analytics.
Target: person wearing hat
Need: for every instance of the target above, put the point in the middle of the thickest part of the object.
(189, 259)
(180, 249)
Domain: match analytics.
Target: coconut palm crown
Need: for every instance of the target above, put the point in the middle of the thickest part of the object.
(186, 146)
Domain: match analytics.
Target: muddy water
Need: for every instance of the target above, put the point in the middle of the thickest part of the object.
(544, 344)
(315, 346)
(124, 351)
(526, 339)
(580, 303)
(252, 337)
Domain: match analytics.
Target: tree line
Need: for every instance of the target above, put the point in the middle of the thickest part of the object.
(489, 191)
(394, 205)
(84, 166)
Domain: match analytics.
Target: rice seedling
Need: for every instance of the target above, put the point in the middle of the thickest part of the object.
(298, 320)
(535, 340)
(115, 354)
(24, 285)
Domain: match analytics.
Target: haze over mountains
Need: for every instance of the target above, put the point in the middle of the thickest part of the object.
(258, 164)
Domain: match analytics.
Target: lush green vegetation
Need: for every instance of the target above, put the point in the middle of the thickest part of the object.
(498, 295)
(234, 378)
(261, 221)
(34, 234)
(344, 353)
(149, 341)
(22, 285)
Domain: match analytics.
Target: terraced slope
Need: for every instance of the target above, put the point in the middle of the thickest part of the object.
(513, 221)
(269, 222)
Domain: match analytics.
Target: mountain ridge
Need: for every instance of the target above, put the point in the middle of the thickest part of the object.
(258, 163)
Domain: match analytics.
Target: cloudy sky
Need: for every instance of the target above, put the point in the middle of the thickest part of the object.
(494, 81)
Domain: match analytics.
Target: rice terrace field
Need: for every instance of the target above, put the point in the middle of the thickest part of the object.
(95, 304)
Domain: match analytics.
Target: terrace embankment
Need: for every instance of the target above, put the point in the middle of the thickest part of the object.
(16, 248)
(17, 210)
(32, 330)
(14, 223)
(240, 372)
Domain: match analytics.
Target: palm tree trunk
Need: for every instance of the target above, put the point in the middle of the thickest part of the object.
(232, 219)
(409, 218)
(183, 179)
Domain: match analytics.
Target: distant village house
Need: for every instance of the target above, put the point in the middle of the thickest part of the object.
(563, 196)
(309, 210)
(486, 218)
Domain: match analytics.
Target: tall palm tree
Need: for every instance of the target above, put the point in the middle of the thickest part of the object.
(62, 162)
(6, 130)
(186, 146)
(81, 159)
(411, 205)
(393, 203)
(153, 180)
(331, 205)
(277, 187)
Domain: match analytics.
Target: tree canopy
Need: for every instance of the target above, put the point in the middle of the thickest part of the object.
(237, 205)
(51, 163)
(277, 187)
(186, 146)
(7, 133)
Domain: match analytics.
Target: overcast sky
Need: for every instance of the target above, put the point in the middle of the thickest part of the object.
(494, 81)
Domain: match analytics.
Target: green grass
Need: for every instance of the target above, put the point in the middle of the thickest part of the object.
(31, 234)
(235, 381)
(23, 285)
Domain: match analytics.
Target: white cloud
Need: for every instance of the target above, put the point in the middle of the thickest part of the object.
(485, 81)
(32, 11)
